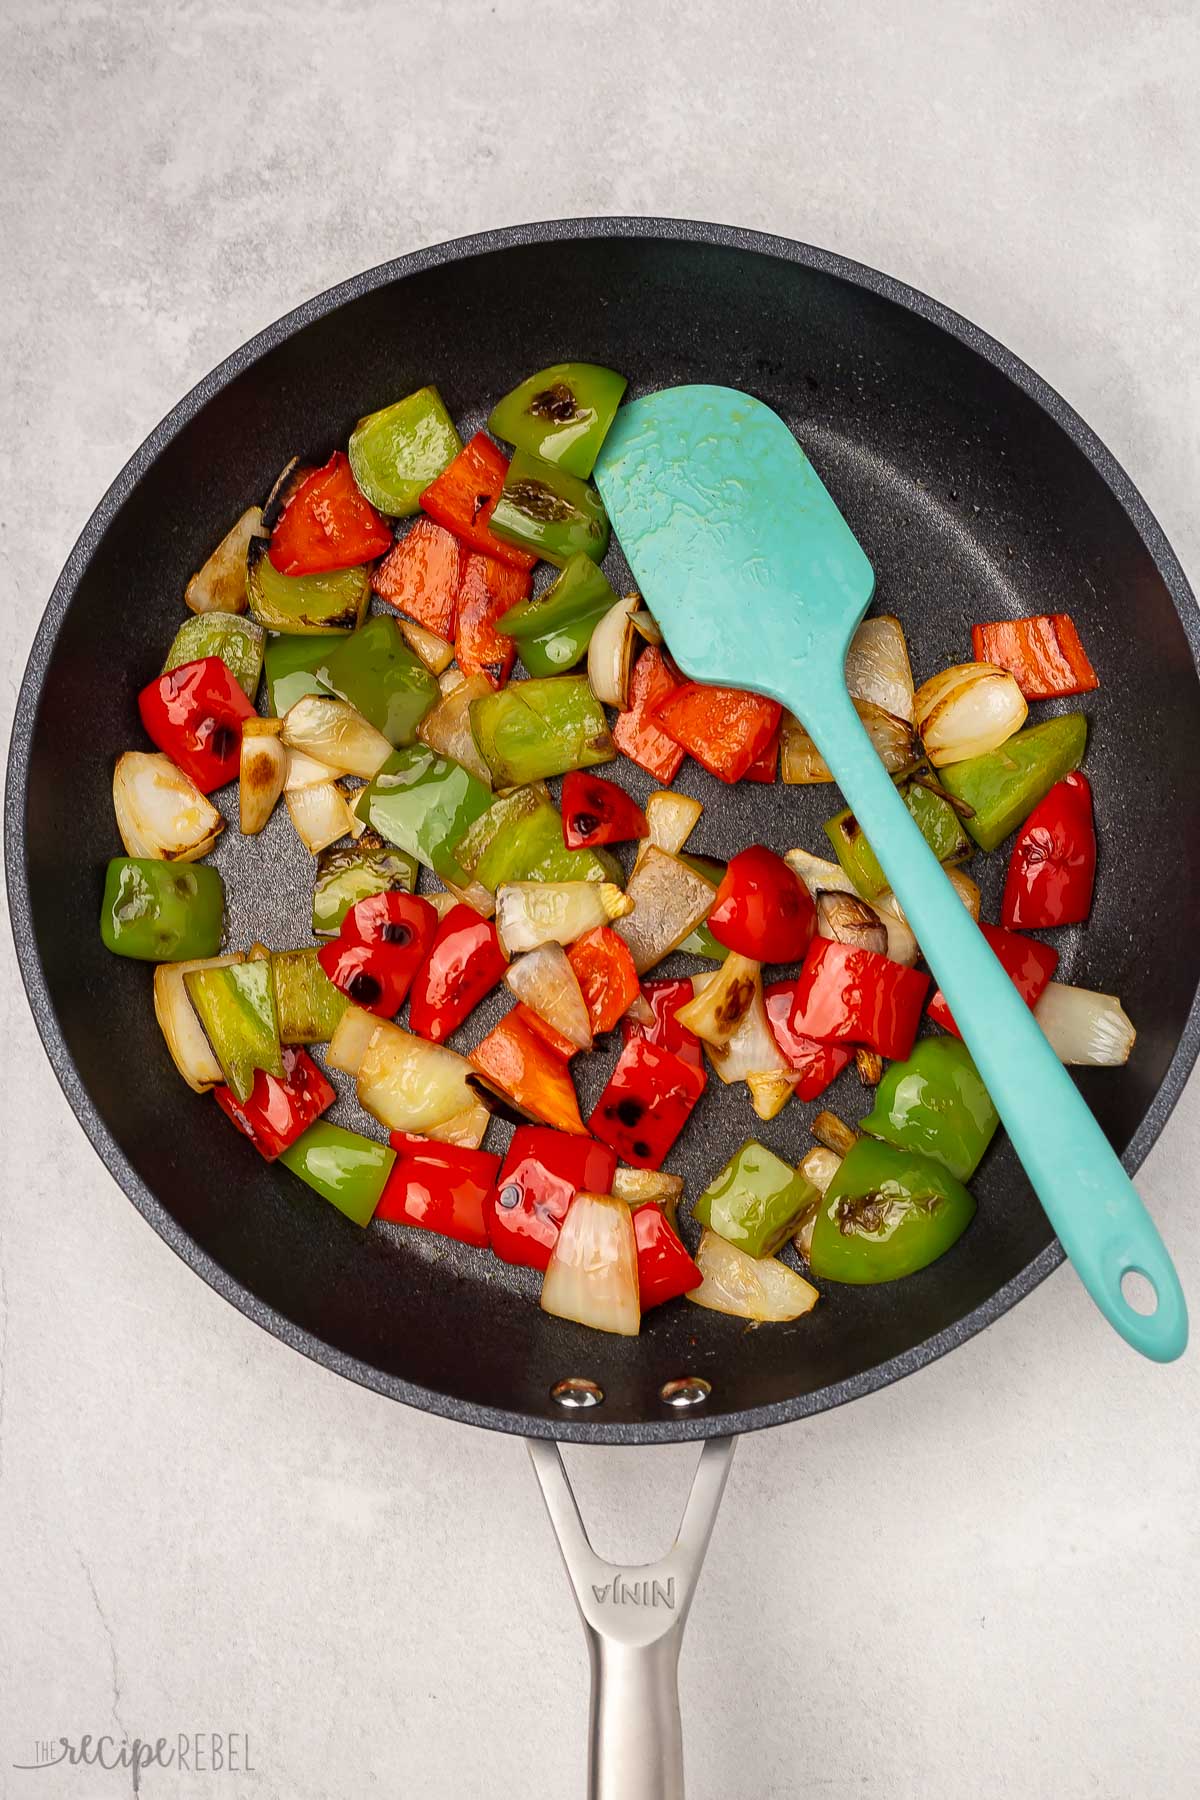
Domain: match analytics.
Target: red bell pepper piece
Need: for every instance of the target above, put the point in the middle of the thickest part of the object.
(464, 496)
(518, 1060)
(647, 1103)
(542, 1173)
(846, 995)
(724, 729)
(422, 575)
(1044, 653)
(278, 1112)
(488, 589)
(561, 1046)
(765, 767)
(664, 1267)
(194, 714)
(382, 943)
(595, 811)
(1029, 963)
(763, 909)
(1052, 870)
(441, 1187)
(815, 1064)
(328, 524)
(463, 964)
(603, 966)
(635, 734)
(664, 999)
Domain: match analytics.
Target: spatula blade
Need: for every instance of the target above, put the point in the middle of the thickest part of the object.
(736, 546)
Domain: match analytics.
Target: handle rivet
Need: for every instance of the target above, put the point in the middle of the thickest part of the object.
(576, 1392)
(688, 1390)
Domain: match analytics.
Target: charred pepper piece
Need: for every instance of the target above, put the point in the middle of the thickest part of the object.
(562, 414)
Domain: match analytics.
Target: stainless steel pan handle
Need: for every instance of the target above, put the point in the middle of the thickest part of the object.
(633, 1619)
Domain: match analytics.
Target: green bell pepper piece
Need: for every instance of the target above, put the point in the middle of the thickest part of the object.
(424, 803)
(375, 670)
(549, 513)
(885, 1214)
(520, 838)
(700, 941)
(162, 911)
(348, 875)
(238, 642)
(756, 1201)
(395, 453)
(341, 1166)
(306, 1002)
(236, 1006)
(554, 629)
(533, 729)
(304, 605)
(561, 414)
(1003, 786)
(939, 826)
(936, 1103)
(291, 665)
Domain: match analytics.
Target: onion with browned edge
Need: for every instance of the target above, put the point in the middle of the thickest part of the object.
(161, 813)
(763, 1289)
(967, 710)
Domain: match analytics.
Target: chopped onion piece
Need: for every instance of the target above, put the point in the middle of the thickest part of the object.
(749, 1047)
(447, 727)
(336, 733)
(474, 895)
(878, 669)
(610, 653)
(820, 1166)
(802, 764)
(641, 1187)
(849, 920)
(592, 1275)
(672, 818)
(530, 913)
(433, 650)
(262, 771)
(545, 981)
(161, 813)
(967, 710)
(320, 815)
(1086, 1029)
(833, 1132)
(187, 1041)
(667, 900)
(410, 1085)
(770, 1090)
(647, 626)
(869, 1064)
(640, 1010)
(466, 1129)
(351, 1035)
(818, 876)
(722, 1001)
(220, 586)
(765, 1289)
(305, 772)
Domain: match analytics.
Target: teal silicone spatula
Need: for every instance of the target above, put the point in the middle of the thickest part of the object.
(758, 582)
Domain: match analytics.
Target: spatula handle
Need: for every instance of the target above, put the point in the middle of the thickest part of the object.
(1090, 1201)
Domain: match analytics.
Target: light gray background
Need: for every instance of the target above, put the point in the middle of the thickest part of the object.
(983, 1581)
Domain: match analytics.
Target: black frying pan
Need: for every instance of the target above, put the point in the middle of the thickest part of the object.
(976, 492)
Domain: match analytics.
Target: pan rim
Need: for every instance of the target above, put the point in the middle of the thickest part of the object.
(647, 1430)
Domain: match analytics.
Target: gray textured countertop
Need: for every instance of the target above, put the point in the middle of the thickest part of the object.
(983, 1580)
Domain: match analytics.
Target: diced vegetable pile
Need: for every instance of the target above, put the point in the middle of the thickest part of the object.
(399, 741)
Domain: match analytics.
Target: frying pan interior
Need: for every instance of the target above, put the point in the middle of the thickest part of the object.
(976, 493)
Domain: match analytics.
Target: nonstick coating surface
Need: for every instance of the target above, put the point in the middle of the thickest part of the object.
(977, 494)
